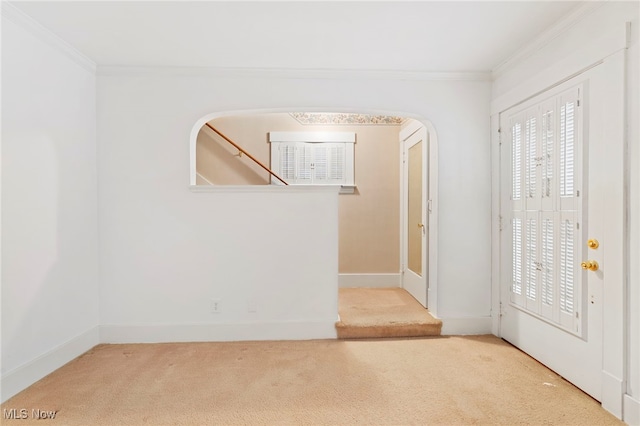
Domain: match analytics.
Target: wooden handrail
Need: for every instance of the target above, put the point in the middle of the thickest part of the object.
(255, 160)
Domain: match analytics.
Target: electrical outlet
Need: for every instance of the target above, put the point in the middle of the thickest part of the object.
(215, 306)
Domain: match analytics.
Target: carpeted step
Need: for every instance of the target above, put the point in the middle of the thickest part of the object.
(383, 312)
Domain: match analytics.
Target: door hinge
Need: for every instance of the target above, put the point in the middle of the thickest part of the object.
(501, 311)
(500, 222)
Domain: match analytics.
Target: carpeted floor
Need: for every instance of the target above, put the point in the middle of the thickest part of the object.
(383, 312)
(421, 381)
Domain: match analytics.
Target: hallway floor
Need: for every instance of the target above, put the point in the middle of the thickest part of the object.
(383, 312)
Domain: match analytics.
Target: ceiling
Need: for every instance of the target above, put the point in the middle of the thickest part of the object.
(399, 36)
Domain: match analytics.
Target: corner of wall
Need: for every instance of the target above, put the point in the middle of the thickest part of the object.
(27, 374)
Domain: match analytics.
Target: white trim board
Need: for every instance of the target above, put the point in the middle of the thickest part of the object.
(18, 17)
(612, 388)
(30, 372)
(631, 410)
(293, 73)
(368, 280)
(204, 179)
(466, 326)
(219, 332)
(318, 137)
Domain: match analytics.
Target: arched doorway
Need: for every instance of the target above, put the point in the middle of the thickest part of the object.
(253, 137)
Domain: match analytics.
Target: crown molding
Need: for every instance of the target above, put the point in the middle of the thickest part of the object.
(289, 73)
(18, 17)
(546, 37)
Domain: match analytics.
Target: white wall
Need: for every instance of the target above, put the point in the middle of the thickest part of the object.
(49, 215)
(547, 64)
(157, 270)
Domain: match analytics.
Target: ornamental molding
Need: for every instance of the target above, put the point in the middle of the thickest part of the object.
(345, 119)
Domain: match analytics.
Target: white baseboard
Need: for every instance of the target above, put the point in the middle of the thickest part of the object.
(612, 391)
(222, 332)
(462, 326)
(30, 372)
(368, 280)
(631, 411)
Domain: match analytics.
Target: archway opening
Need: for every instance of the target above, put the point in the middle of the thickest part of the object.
(234, 150)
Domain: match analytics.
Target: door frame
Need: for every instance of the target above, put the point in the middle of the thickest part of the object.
(431, 162)
(616, 259)
(419, 283)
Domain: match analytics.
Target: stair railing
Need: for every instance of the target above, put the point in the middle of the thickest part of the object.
(242, 151)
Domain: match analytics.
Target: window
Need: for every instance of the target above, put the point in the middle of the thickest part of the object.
(545, 141)
(313, 158)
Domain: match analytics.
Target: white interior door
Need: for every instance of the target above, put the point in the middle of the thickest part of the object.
(551, 307)
(415, 225)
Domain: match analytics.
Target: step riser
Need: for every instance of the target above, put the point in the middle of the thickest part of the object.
(346, 332)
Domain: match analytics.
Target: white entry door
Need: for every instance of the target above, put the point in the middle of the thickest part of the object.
(551, 275)
(415, 225)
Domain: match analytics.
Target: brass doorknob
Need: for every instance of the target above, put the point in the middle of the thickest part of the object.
(593, 244)
(591, 265)
(421, 225)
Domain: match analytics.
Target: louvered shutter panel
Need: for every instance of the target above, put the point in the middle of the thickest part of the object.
(532, 258)
(518, 163)
(566, 149)
(531, 164)
(532, 265)
(548, 154)
(303, 163)
(287, 169)
(569, 176)
(337, 162)
(547, 265)
(517, 251)
(320, 163)
(516, 168)
(329, 163)
(568, 134)
(566, 296)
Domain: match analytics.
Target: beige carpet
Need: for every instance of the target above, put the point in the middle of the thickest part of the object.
(383, 312)
(423, 381)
